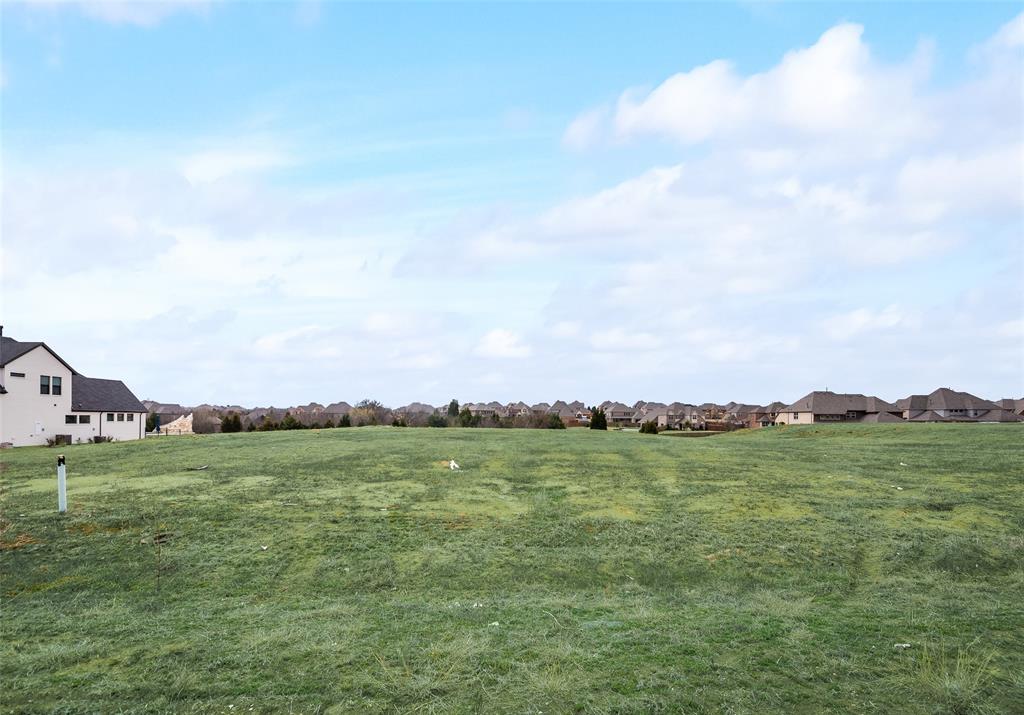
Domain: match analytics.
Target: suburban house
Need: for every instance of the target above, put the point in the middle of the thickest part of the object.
(1012, 405)
(946, 405)
(618, 413)
(484, 410)
(517, 409)
(824, 406)
(43, 398)
(765, 416)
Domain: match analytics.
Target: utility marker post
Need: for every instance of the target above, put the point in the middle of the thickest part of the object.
(62, 485)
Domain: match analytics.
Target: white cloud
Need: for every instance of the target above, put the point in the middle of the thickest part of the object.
(586, 129)
(147, 13)
(565, 329)
(501, 343)
(831, 89)
(853, 324)
(210, 166)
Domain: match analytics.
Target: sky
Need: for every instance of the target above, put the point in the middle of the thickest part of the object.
(270, 203)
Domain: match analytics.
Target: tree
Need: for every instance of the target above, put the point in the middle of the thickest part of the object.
(436, 420)
(649, 427)
(290, 422)
(329, 424)
(555, 422)
(231, 422)
(598, 419)
(345, 421)
(453, 408)
(370, 412)
(151, 422)
(468, 419)
(204, 422)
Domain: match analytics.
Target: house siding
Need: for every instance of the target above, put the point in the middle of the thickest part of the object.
(26, 416)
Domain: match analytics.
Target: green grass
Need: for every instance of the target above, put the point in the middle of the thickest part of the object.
(567, 571)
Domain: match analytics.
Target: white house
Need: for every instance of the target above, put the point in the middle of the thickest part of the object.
(42, 397)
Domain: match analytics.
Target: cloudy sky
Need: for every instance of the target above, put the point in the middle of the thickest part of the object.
(271, 203)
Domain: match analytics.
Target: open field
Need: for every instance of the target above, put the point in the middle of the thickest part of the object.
(561, 571)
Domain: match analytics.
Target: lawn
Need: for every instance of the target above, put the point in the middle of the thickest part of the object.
(349, 570)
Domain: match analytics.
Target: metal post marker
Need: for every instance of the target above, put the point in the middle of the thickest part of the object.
(62, 485)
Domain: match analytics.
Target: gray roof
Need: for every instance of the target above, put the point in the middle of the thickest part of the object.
(90, 394)
(880, 417)
(822, 402)
(11, 349)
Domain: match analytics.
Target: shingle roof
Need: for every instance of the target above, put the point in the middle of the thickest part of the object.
(880, 417)
(90, 394)
(830, 403)
(11, 349)
(947, 399)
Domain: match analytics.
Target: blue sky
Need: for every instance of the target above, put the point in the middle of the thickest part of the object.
(272, 203)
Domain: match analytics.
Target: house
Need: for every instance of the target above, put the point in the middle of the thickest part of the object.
(480, 409)
(1012, 405)
(946, 405)
(824, 406)
(43, 398)
(618, 413)
(517, 409)
(765, 416)
(541, 408)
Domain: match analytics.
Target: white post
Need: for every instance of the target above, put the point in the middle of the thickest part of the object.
(62, 485)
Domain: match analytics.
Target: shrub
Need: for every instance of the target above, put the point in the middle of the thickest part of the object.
(99, 439)
(649, 427)
(436, 420)
(231, 423)
(345, 421)
(453, 408)
(151, 422)
(555, 422)
(290, 422)
(329, 424)
(598, 420)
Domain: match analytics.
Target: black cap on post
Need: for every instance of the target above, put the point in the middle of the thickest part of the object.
(60, 460)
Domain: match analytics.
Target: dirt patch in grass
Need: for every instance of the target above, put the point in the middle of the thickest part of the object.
(19, 541)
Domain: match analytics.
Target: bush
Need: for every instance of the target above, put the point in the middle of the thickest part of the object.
(598, 420)
(649, 427)
(329, 424)
(453, 408)
(290, 422)
(231, 423)
(467, 419)
(555, 422)
(151, 422)
(99, 439)
(436, 420)
(345, 421)
(205, 422)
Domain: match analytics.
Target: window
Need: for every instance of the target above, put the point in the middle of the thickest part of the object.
(71, 419)
(55, 384)
(84, 419)
(120, 416)
(110, 417)
(131, 416)
(44, 384)
(17, 374)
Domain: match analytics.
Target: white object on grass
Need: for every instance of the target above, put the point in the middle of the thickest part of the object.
(452, 465)
(62, 485)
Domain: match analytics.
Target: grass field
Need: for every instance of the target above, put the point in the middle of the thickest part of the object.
(561, 571)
